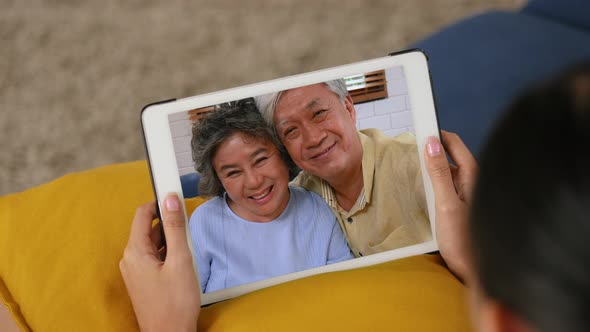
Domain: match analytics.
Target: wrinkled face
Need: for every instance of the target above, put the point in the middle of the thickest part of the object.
(319, 131)
(254, 176)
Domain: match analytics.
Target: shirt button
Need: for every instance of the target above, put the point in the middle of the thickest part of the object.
(349, 220)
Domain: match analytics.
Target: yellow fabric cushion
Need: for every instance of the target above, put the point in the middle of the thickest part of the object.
(412, 294)
(61, 244)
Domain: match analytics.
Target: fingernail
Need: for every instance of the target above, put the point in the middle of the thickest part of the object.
(172, 203)
(433, 146)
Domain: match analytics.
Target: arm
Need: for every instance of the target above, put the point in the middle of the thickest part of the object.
(164, 292)
(453, 187)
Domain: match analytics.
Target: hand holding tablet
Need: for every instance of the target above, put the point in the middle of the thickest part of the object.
(374, 184)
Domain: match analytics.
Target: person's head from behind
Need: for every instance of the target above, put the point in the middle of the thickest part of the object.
(530, 221)
(317, 125)
(236, 153)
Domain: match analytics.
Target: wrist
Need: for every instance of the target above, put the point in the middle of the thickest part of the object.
(458, 265)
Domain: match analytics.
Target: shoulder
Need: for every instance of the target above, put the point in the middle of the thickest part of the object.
(377, 137)
(301, 195)
(206, 212)
(307, 181)
(402, 145)
(304, 194)
(211, 205)
(308, 199)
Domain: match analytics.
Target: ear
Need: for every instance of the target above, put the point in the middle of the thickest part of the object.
(496, 317)
(349, 105)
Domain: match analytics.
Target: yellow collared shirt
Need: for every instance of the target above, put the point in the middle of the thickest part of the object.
(391, 210)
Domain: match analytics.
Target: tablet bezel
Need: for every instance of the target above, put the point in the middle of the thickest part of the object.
(166, 178)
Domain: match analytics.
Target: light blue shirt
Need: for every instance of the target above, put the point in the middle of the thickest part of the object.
(231, 251)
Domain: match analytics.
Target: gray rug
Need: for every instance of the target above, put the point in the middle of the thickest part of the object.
(74, 77)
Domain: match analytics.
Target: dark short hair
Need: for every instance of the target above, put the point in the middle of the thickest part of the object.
(530, 219)
(211, 131)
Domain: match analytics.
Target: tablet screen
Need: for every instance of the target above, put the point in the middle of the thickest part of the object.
(236, 249)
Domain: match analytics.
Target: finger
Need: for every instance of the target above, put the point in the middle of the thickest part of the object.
(466, 173)
(454, 173)
(157, 240)
(439, 171)
(162, 253)
(156, 235)
(141, 226)
(174, 226)
(458, 150)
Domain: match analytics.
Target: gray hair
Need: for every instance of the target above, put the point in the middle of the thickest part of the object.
(268, 102)
(211, 131)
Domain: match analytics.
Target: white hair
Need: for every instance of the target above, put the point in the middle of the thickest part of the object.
(267, 103)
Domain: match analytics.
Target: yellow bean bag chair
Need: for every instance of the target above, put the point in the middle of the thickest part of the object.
(61, 244)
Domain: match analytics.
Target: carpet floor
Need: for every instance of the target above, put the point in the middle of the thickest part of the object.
(75, 75)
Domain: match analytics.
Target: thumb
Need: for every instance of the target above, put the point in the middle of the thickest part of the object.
(174, 226)
(439, 171)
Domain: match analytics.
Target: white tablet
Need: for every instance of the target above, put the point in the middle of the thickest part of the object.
(392, 94)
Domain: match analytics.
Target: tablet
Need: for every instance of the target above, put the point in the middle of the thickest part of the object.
(392, 94)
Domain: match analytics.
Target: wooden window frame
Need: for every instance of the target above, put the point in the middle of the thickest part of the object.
(367, 87)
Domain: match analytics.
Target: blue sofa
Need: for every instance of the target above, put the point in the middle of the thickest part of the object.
(479, 65)
(190, 184)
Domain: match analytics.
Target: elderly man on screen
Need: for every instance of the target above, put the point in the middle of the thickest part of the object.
(372, 182)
